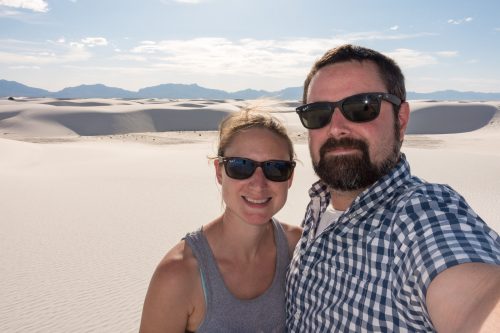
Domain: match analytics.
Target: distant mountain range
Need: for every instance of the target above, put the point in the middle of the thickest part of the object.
(193, 91)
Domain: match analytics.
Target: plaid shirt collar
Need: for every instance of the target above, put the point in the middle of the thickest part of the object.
(371, 197)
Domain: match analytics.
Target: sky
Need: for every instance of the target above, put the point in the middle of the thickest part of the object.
(243, 44)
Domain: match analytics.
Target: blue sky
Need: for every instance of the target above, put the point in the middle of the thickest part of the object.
(236, 44)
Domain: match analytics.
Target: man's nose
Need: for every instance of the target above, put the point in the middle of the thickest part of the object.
(339, 125)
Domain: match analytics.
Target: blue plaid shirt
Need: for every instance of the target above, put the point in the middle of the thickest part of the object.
(370, 270)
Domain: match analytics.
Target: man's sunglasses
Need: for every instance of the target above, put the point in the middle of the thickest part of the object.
(243, 168)
(358, 108)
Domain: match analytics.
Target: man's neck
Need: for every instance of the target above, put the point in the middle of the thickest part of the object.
(342, 200)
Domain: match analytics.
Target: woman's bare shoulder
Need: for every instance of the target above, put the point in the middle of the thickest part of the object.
(178, 266)
(293, 234)
(174, 293)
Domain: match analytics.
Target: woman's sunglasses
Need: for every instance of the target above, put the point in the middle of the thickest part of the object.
(358, 108)
(243, 168)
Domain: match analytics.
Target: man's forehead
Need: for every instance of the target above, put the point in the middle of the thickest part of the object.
(344, 79)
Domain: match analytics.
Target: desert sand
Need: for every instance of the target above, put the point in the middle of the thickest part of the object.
(94, 192)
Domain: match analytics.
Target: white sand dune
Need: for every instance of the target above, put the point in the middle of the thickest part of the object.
(50, 118)
(450, 117)
(85, 220)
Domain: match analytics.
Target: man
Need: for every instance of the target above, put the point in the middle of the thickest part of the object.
(381, 250)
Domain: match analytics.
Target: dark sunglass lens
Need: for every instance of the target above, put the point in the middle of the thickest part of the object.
(316, 116)
(361, 108)
(239, 168)
(277, 171)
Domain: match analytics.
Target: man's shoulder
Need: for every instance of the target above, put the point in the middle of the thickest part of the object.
(415, 191)
(420, 205)
(402, 186)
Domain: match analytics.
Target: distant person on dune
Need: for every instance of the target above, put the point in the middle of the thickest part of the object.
(229, 276)
(382, 250)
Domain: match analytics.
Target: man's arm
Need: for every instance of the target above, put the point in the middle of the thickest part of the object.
(465, 298)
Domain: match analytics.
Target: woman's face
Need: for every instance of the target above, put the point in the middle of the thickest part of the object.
(256, 199)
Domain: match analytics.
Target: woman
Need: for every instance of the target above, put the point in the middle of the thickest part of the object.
(229, 276)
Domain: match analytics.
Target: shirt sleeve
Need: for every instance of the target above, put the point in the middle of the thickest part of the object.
(436, 229)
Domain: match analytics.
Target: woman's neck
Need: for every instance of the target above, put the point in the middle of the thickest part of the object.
(238, 239)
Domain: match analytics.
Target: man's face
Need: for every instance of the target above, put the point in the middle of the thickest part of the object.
(351, 156)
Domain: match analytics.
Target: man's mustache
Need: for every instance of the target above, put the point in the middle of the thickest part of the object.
(333, 143)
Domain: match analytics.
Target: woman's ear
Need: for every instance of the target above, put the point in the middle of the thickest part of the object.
(218, 170)
(290, 181)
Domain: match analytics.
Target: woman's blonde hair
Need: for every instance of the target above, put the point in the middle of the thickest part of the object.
(250, 117)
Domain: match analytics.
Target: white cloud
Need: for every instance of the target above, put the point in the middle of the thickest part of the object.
(467, 83)
(447, 54)
(34, 5)
(394, 28)
(280, 59)
(422, 83)
(77, 45)
(19, 53)
(460, 21)
(130, 57)
(4, 12)
(233, 63)
(247, 56)
(408, 58)
(284, 58)
(95, 41)
(376, 35)
(20, 67)
(189, 1)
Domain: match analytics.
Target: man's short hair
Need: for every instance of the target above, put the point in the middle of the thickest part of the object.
(389, 71)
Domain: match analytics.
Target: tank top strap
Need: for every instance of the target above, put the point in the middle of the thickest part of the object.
(282, 251)
(206, 263)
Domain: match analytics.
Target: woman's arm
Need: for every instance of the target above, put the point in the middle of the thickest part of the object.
(171, 297)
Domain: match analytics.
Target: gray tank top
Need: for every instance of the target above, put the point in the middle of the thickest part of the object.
(226, 313)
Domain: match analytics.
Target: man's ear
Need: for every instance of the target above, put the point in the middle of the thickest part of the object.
(403, 118)
(218, 170)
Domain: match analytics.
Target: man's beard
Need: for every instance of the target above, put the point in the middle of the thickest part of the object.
(353, 172)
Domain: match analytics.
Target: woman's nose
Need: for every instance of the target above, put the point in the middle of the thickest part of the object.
(258, 177)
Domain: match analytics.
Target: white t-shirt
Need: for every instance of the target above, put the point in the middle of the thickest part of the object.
(330, 216)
